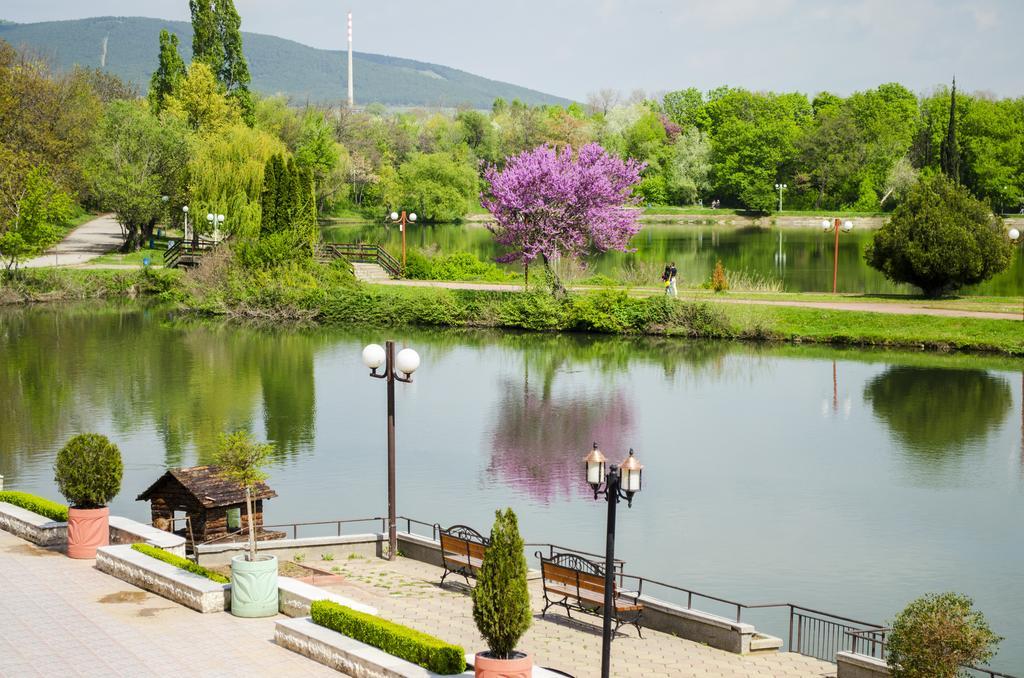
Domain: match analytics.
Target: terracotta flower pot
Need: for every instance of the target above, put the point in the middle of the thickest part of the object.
(485, 666)
(88, 529)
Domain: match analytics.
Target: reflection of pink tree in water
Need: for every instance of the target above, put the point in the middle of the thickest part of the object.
(539, 441)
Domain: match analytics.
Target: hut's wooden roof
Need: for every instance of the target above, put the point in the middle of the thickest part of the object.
(207, 485)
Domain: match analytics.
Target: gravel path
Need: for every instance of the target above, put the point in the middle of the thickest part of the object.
(90, 240)
(901, 308)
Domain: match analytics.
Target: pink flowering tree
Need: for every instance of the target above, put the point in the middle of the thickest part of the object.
(548, 203)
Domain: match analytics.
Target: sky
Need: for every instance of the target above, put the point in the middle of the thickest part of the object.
(572, 48)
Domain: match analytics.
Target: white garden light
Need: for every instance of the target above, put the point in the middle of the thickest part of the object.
(373, 356)
(407, 361)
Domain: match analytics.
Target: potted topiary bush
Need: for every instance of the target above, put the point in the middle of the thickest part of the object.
(88, 473)
(938, 634)
(501, 602)
(253, 577)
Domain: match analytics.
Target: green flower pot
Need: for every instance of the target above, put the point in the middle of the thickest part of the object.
(254, 586)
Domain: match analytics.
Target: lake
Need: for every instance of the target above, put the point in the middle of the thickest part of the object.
(844, 480)
(796, 259)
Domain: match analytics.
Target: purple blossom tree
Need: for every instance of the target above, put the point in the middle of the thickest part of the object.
(548, 204)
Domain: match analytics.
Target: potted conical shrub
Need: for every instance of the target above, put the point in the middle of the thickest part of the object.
(501, 602)
(88, 473)
(253, 577)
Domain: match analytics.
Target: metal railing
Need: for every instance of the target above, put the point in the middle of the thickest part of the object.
(872, 643)
(812, 632)
(187, 252)
(364, 253)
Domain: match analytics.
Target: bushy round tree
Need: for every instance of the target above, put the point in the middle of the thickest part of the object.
(501, 601)
(937, 634)
(940, 239)
(89, 470)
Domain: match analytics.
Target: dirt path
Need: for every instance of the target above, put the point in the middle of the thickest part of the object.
(90, 240)
(902, 308)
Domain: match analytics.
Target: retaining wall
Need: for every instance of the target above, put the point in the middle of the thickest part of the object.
(850, 665)
(163, 579)
(39, 530)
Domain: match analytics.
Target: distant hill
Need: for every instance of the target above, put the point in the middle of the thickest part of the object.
(128, 47)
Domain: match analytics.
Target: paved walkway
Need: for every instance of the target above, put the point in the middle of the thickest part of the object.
(896, 308)
(62, 617)
(93, 238)
(406, 591)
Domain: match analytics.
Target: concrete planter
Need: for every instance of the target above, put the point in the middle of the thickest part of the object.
(181, 586)
(88, 529)
(39, 530)
(254, 586)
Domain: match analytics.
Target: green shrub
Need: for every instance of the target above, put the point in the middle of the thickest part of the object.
(179, 562)
(501, 600)
(453, 266)
(937, 634)
(89, 470)
(940, 238)
(43, 507)
(397, 640)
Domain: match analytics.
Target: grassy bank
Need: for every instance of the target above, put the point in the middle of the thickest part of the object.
(328, 295)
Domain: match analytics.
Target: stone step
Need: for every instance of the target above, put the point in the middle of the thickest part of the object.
(369, 272)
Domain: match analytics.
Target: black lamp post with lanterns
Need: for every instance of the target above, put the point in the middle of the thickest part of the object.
(615, 483)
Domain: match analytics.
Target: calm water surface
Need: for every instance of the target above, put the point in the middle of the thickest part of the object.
(848, 481)
(799, 260)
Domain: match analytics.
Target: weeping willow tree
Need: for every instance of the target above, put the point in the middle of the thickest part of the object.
(226, 172)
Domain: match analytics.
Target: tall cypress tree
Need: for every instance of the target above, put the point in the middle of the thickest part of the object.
(950, 148)
(268, 195)
(234, 72)
(169, 72)
(207, 45)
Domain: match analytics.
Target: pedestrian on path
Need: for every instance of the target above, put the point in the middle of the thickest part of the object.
(666, 278)
(672, 274)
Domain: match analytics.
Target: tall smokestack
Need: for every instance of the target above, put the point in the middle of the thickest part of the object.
(351, 94)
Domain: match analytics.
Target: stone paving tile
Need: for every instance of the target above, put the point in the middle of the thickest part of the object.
(54, 624)
(406, 591)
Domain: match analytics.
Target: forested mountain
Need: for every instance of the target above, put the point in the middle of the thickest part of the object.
(128, 47)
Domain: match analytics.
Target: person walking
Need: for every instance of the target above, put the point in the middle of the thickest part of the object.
(666, 279)
(672, 274)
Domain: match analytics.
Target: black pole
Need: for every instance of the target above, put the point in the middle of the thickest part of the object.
(390, 375)
(612, 495)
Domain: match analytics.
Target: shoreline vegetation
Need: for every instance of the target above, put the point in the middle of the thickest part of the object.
(329, 296)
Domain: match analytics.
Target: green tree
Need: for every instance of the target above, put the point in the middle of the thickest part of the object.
(242, 461)
(135, 161)
(686, 108)
(207, 46)
(32, 222)
(200, 103)
(950, 147)
(234, 73)
(501, 600)
(940, 239)
(935, 635)
(169, 73)
(688, 168)
(438, 186)
(318, 152)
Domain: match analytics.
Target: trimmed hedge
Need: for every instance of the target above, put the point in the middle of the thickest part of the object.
(400, 641)
(179, 562)
(31, 502)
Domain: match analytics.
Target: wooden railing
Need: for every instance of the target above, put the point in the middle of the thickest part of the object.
(363, 253)
(187, 253)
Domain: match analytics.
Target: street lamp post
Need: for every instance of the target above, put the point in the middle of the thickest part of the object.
(780, 188)
(847, 226)
(406, 362)
(184, 209)
(402, 220)
(215, 220)
(1015, 238)
(615, 483)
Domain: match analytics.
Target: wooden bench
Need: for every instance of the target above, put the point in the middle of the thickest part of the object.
(462, 551)
(576, 583)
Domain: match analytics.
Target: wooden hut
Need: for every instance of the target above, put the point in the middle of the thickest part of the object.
(214, 505)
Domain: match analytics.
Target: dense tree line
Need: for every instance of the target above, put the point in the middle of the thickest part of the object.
(202, 139)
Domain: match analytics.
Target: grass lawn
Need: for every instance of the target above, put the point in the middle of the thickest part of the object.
(666, 209)
(155, 255)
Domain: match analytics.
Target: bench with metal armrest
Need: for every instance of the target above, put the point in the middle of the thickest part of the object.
(462, 551)
(575, 583)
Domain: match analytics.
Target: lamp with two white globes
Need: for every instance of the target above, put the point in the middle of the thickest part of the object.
(396, 368)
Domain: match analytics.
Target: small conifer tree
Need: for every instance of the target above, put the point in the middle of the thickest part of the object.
(719, 282)
(501, 601)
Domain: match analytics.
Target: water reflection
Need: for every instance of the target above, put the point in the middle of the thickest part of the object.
(61, 372)
(936, 413)
(539, 439)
